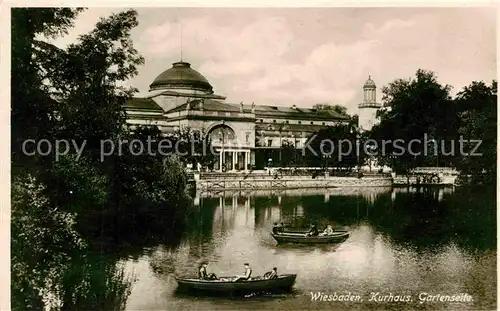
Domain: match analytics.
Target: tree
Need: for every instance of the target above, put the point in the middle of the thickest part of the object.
(193, 147)
(32, 114)
(288, 154)
(417, 109)
(148, 188)
(477, 106)
(354, 120)
(84, 82)
(51, 266)
(43, 238)
(327, 107)
(335, 146)
(87, 83)
(62, 207)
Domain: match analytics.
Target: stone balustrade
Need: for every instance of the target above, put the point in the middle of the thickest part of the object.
(290, 182)
(213, 181)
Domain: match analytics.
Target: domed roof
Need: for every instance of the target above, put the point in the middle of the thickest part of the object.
(182, 76)
(369, 83)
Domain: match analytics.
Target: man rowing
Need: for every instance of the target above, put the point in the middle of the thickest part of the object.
(271, 274)
(328, 230)
(247, 275)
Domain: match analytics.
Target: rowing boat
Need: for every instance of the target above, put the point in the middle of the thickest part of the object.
(226, 284)
(296, 237)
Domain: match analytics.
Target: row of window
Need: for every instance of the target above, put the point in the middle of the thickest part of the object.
(270, 143)
(287, 122)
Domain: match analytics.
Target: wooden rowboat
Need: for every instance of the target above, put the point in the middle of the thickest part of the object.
(226, 284)
(301, 238)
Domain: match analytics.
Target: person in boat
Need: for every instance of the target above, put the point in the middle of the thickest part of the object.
(202, 273)
(276, 228)
(271, 274)
(247, 275)
(328, 230)
(313, 231)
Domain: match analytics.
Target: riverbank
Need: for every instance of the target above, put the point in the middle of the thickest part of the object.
(427, 176)
(209, 182)
(262, 181)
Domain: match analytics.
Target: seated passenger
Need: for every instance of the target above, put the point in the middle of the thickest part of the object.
(328, 230)
(271, 274)
(202, 273)
(248, 274)
(276, 229)
(313, 231)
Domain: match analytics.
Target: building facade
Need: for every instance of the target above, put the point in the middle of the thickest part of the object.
(244, 135)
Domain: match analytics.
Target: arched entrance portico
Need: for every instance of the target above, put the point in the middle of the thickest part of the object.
(231, 155)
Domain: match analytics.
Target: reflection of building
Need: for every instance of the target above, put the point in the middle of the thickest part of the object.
(233, 213)
(344, 191)
(369, 107)
(243, 134)
(438, 193)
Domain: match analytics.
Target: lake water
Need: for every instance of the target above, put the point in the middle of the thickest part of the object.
(404, 243)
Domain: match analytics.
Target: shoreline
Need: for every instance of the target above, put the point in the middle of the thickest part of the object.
(231, 181)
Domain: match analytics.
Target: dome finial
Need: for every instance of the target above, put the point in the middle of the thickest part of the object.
(181, 41)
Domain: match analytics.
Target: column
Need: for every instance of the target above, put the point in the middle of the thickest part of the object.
(221, 157)
(249, 159)
(233, 165)
(246, 161)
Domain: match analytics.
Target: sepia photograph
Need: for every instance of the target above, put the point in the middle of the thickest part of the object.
(252, 158)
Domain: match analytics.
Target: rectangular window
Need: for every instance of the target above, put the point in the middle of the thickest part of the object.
(269, 142)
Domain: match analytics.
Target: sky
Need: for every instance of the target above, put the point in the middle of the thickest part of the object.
(305, 56)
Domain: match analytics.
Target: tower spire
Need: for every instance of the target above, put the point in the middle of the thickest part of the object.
(181, 42)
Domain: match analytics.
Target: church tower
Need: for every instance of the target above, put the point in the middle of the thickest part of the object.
(367, 116)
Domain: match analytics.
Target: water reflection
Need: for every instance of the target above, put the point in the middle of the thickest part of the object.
(369, 194)
(404, 241)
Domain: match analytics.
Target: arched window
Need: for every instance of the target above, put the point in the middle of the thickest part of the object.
(222, 134)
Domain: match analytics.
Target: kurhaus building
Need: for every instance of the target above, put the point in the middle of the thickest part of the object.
(244, 135)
